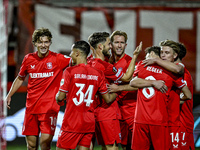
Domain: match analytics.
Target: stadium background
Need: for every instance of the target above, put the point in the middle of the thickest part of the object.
(70, 20)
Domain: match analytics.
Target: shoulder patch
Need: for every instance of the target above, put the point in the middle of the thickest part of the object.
(114, 70)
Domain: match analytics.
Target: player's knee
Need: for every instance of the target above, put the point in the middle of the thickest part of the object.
(31, 146)
(45, 142)
(45, 145)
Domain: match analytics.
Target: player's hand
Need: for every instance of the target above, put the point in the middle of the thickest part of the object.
(8, 100)
(160, 85)
(138, 49)
(149, 61)
(112, 88)
(61, 103)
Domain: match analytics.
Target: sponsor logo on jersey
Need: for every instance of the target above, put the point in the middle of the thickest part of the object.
(49, 65)
(32, 66)
(41, 75)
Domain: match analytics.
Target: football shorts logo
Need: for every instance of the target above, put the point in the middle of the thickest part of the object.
(183, 144)
(49, 65)
(175, 146)
(60, 133)
(52, 128)
(114, 69)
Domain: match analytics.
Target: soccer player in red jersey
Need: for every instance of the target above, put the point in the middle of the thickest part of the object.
(107, 115)
(151, 117)
(81, 82)
(44, 68)
(176, 122)
(126, 99)
(186, 114)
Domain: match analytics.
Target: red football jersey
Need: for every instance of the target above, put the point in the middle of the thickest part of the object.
(126, 99)
(173, 107)
(109, 70)
(43, 82)
(103, 110)
(186, 115)
(151, 107)
(82, 83)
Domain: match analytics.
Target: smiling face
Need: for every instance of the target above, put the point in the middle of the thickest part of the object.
(119, 45)
(43, 45)
(167, 53)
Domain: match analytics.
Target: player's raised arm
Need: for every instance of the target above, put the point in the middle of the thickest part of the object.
(129, 73)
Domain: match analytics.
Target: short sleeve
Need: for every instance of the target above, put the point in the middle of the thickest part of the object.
(63, 61)
(111, 72)
(23, 68)
(179, 83)
(65, 81)
(188, 80)
(103, 86)
(136, 69)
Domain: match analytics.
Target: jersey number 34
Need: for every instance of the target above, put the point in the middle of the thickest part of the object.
(83, 97)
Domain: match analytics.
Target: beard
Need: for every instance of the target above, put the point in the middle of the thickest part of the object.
(106, 53)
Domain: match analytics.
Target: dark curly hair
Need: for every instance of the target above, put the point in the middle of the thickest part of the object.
(82, 46)
(98, 37)
(155, 49)
(39, 33)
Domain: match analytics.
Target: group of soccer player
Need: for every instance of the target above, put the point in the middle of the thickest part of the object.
(108, 97)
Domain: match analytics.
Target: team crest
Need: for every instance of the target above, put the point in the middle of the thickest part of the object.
(49, 65)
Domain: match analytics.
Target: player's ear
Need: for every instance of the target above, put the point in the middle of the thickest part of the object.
(78, 52)
(125, 45)
(175, 55)
(100, 46)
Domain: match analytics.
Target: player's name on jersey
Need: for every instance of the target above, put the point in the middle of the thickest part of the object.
(153, 69)
(41, 75)
(84, 76)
